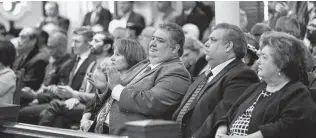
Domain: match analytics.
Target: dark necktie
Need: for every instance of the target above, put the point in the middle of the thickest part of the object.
(186, 106)
(72, 73)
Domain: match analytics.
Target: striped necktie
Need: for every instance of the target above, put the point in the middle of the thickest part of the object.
(186, 106)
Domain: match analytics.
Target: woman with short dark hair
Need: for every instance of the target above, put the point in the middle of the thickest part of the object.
(281, 105)
(7, 75)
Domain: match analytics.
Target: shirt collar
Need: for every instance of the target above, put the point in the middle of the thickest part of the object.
(84, 55)
(98, 10)
(127, 15)
(154, 66)
(219, 67)
(187, 12)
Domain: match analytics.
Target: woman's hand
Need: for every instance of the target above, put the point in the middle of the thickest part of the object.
(85, 125)
(98, 79)
(221, 130)
(71, 103)
(114, 77)
(66, 91)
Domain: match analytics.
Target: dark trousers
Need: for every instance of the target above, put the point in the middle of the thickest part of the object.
(31, 114)
(57, 115)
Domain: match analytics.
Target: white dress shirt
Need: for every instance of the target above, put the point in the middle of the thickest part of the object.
(218, 69)
(125, 17)
(83, 57)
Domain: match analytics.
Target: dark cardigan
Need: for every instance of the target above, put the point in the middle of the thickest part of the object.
(288, 113)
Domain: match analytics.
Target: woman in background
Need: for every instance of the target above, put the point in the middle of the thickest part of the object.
(7, 75)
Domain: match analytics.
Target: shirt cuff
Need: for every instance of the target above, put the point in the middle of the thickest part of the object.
(116, 92)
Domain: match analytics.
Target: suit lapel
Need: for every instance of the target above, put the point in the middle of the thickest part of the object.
(143, 75)
(191, 89)
(129, 78)
(31, 61)
(86, 62)
(215, 79)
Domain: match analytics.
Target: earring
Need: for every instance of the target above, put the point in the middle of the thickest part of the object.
(279, 74)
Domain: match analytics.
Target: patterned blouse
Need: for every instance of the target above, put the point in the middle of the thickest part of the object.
(240, 126)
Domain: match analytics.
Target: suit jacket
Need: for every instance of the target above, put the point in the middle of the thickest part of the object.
(220, 93)
(155, 94)
(104, 19)
(81, 72)
(287, 113)
(100, 98)
(59, 71)
(34, 65)
(61, 22)
(137, 19)
(76, 83)
(196, 68)
(197, 17)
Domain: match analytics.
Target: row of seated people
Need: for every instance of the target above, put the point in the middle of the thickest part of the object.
(120, 84)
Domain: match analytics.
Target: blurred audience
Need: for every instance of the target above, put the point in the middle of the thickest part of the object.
(99, 17)
(145, 37)
(63, 113)
(119, 33)
(74, 75)
(129, 16)
(53, 17)
(7, 75)
(193, 14)
(30, 58)
(56, 72)
(191, 30)
(258, 29)
(166, 13)
(191, 53)
(252, 50)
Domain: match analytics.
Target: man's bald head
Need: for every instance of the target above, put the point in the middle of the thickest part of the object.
(57, 44)
(51, 9)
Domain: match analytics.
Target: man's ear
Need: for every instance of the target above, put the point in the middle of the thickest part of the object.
(176, 48)
(229, 46)
(107, 47)
(33, 42)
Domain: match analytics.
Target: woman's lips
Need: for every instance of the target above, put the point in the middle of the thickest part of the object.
(153, 50)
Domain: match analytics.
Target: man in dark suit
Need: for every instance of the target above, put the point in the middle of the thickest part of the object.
(157, 90)
(219, 87)
(129, 16)
(99, 16)
(30, 58)
(52, 16)
(81, 48)
(195, 15)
